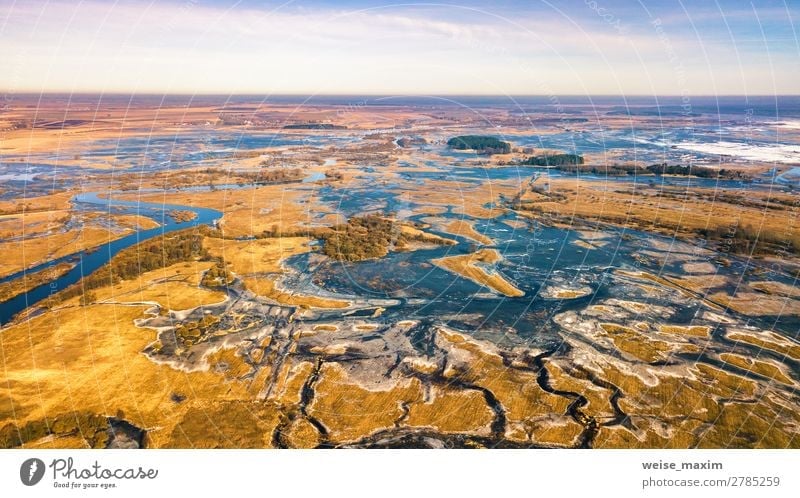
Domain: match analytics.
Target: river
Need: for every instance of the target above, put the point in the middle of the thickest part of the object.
(89, 261)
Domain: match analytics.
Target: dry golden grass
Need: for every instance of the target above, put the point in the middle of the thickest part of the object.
(560, 432)
(350, 411)
(302, 434)
(289, 383)
(432, 209)
(326, 328)
(768, 340)
(424, 237)
(135, 221)
(225, 424)
(689, 402)
(636, 344)
(692, 330)
(452, 411)
(681, 436)
(671, 284)
(78, 126)
(556, 293)
(58, 443)
(267, 288)
(465, 198)
(700, 283)
(532, 413)
(32, 223)
(229, 362)
(466, 266)
(90, 359)
(760, 367)
(599, 404)
(256, 256)
(466, 229)
(175, 287)
(741, 425)
(248, 212)
(56, 202)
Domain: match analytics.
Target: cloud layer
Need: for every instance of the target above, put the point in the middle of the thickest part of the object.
(528, 48)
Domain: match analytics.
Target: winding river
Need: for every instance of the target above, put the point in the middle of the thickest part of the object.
(89, 261)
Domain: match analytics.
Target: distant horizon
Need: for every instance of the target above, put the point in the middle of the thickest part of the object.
(12, 94)
(769, 107)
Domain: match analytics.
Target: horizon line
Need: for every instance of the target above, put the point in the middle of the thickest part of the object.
(9, 94)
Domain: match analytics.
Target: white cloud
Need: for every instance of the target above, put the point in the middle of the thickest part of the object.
(188, 47)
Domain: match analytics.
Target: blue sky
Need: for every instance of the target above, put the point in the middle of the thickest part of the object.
(316, 47)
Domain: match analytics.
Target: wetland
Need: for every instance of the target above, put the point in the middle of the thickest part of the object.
(311, 281)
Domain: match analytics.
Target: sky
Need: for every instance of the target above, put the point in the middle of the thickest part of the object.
(532, 47)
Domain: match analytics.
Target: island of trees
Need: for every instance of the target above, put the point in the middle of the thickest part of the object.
(574, 163)
(552, 160)
(660, 169)
(371, 236)
(480, 143)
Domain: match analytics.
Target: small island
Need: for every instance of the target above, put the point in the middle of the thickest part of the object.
(552, 160)
(182, 215)
(480, 143)
(478, 267)
(373, 236)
